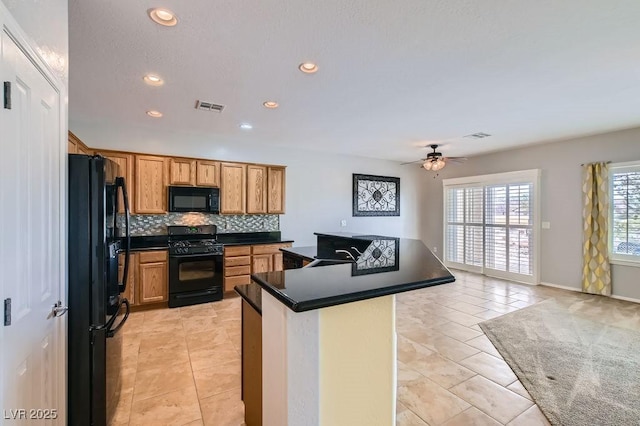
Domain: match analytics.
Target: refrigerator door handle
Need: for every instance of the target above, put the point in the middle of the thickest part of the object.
(112, 331)
(127, 239)
(108, 324)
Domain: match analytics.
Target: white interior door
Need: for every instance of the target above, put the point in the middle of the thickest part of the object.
(31, 246)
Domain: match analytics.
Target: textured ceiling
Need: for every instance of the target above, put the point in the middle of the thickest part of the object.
(394, 75)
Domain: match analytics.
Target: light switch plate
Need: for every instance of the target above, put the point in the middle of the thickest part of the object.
(343, 222)
(546, 225)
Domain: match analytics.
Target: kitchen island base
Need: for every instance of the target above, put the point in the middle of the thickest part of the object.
(329, 366)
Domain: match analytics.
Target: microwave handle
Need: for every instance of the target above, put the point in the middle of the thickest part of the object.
(210, 202)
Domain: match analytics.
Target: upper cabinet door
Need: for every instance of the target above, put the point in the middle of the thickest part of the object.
(76, 146)
(71, 147)
(183, 172)
(256, 189)
(232, 188)
(208, 173)
(125, 162)
(276, 190)
(151, 188)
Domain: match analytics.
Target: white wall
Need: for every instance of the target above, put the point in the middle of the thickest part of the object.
(319, 185)
(47, 25)
(561, 246)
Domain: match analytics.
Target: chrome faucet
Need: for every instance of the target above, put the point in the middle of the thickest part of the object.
(357, 251)
(348, 253)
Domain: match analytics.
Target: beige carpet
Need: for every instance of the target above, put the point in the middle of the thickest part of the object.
(578, 371)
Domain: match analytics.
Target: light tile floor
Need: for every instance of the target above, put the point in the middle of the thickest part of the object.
(182, 366)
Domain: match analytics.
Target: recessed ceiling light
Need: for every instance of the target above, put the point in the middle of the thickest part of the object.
(163, 17)
(153, 80)
(270, 104)
(246, 126)
(308, 67)
(154, 114)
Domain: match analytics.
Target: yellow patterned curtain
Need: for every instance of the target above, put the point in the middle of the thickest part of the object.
(596, 272)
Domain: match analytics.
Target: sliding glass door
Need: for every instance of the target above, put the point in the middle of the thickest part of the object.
(490, 225)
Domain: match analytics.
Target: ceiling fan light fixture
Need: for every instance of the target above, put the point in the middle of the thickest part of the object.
(427, 165)
(438, 165)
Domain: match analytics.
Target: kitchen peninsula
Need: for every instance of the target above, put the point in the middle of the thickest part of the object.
(328, 336)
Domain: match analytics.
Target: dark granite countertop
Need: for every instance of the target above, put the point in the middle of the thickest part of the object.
(387, 266)
(307, 252)
(161, 242)
(252, 293)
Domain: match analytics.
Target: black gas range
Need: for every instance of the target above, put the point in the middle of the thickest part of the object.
(195, 265)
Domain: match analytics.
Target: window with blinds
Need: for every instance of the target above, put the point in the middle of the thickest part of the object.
(489, 226)
(625, 213)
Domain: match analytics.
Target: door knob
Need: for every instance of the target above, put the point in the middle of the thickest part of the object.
(58, 310)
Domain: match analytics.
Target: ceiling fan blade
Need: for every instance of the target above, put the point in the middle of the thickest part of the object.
(455, 159)
(412, 162)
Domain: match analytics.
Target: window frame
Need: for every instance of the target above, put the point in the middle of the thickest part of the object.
(617, 258)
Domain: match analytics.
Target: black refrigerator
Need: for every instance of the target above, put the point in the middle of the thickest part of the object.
(97, 311)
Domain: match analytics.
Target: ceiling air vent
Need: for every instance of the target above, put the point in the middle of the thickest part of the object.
(208, 106)
(478, 135)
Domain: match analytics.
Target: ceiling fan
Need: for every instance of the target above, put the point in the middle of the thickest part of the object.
(435, 161)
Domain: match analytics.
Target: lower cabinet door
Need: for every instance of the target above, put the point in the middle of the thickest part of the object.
(261, 263)
(154, 286)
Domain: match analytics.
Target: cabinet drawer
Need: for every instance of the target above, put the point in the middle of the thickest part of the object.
(268, 248)
(237, 251)
(237, 261)
(232, 271)
(153, 256)
(231, 282)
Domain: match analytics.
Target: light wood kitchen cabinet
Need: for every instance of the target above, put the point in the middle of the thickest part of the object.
(267, 257)
(237, 266)
(125, 162)
(251, 338)
(182, 172)
(256, 189)
(208, 173)
(278, 263)
(153, 283)
(130, 292)
(151, 187)
(275, 190)
(261, 263)
(76, 146)
(233, 188)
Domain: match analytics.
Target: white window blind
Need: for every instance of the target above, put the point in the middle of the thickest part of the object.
(509, 227)
(489, 226)
(625, 213)
(464, 225)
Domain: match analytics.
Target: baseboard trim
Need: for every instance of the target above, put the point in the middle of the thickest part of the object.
(613, 296)
(563, 287)
(627, 299)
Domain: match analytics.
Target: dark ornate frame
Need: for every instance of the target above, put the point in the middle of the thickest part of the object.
(359, 177)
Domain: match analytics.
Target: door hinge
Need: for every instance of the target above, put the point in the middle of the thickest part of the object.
(7, 312)
(7, 95)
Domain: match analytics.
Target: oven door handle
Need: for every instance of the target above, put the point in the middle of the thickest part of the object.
(182, 256)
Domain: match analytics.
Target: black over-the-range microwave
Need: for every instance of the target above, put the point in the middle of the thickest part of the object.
(194, 199)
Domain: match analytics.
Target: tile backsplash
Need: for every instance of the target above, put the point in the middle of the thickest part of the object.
(156, 224)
